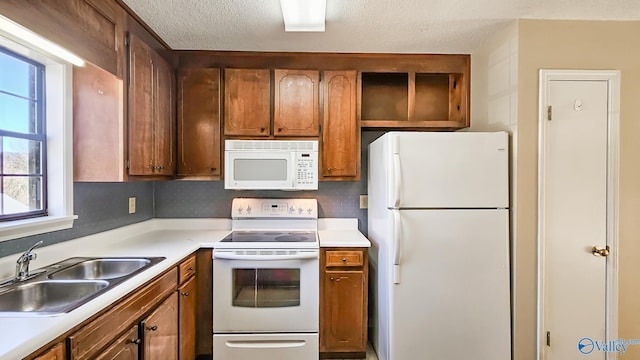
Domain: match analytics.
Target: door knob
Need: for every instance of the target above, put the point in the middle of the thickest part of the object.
(598, 251)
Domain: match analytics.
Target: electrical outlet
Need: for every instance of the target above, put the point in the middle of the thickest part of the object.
(132, 205)
(364, 201)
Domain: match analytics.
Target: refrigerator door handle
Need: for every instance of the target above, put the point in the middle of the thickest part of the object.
(397, 177)
(396, 245)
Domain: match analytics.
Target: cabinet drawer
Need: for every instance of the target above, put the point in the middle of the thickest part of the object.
(345, 258)
(89, 340)
(187, 268)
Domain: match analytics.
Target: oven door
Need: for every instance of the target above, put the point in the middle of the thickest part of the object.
(265, 290)
(259, 170)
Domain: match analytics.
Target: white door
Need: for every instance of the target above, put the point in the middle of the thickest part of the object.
(576, 193)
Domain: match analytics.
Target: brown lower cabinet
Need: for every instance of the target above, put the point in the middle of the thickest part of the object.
(155, 321)
(187, 305)
(343, 303)
(55, 353)
(125, 348)
(160, 331)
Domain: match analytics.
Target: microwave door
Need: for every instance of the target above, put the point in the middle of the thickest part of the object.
(259, 171)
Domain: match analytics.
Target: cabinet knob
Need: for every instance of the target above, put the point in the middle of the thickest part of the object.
(331, 278)
(136, 341)
(190, 268)
(153, 328)
(262, 129)
(329, 169)
(185, 294)
(213, 169)
(279, 129)
(344, 259)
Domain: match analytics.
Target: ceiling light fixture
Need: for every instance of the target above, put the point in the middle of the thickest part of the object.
(26, 37)
(303, 15)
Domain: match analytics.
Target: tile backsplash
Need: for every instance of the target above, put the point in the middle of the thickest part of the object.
(193, 199)
(100, 207)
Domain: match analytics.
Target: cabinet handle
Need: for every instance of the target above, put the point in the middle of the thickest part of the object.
(136, 341)
(185, 294)
(153, 328)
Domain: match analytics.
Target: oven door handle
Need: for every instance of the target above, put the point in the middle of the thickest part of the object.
(266, 344)
(223, 255)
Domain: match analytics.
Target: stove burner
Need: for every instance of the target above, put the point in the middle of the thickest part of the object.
(291, 238)
(271, 236)
(245, 237)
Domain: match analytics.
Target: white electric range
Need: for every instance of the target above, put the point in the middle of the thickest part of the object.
(266, 282)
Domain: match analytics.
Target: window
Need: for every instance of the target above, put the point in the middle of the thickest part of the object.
(36, 168)
(23, 181)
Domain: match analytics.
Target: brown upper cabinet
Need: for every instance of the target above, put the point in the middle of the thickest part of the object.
(246, 102)
(151, 114)
(93, 29)
(340, 131)
(296, 102)
(98, 125)
(199, 145)
(414, 100)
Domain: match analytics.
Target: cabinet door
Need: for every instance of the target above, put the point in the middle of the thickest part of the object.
(187, 306)
(55, 353)
(141, 75)
(247, 98)
(296, 103)
(163, 120)
(93, 29)
(98, 125)
(160, 331)
(199, 122)
(340, 132)
(342, 320)
(125, 348)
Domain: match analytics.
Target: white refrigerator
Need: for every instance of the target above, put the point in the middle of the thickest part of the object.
(439, 227)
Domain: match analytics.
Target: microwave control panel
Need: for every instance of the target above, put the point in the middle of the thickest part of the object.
(306, 170)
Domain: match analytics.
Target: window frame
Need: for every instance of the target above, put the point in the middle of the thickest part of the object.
(39, 135)
(59, 114)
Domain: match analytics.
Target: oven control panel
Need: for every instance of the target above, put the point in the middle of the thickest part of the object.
(274, 208)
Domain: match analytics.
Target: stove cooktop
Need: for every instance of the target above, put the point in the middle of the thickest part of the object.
(270, 236)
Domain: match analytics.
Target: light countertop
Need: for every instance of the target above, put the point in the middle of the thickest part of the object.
(171, 238)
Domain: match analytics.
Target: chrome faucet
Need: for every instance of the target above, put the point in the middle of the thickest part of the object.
(22, 265)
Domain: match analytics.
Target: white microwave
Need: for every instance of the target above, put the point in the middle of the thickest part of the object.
(271, 164)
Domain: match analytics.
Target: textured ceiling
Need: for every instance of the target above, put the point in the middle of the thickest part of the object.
(390, 26)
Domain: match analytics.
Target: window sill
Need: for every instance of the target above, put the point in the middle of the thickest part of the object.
(27, 227)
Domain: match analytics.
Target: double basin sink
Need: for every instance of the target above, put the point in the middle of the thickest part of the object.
(68, 284)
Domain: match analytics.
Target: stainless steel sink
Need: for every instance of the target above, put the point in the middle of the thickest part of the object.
(48, 296)
(68, 284)
(106, 268)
